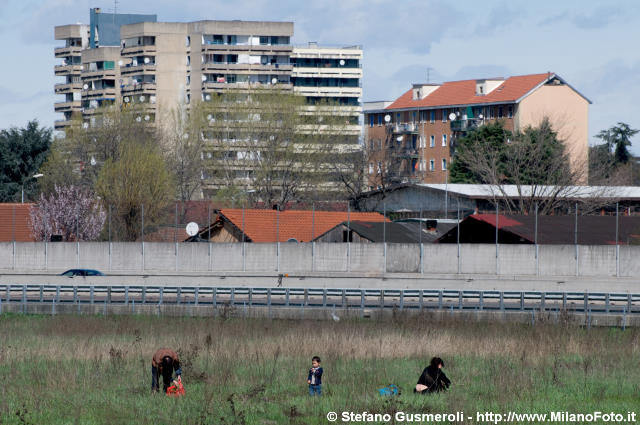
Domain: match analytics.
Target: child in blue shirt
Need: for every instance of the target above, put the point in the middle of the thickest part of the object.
(315, 377)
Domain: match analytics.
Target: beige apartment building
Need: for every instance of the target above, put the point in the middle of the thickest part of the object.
(76, 40)
(162, 66)
(409, 139)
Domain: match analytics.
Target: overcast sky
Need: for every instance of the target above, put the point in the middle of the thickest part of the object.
(593, 44)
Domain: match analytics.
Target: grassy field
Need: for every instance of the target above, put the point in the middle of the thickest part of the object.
(96, 370)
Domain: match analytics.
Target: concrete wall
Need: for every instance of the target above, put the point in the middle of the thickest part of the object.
(553, 260)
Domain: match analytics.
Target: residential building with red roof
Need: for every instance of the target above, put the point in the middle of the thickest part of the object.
(410, 139)
(15, 222)
(254, 225)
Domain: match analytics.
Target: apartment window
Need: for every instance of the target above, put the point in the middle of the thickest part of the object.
(371, 120)
(188, 60)
(188, 42)
(432, 141)
(445, 112)
(415, 115)
(500, 111)
(371, 168)
(444, 164)
(432, 117)
(432, 165)
(188, 79)
(444, 140)
(398, 117)
(510, 111)
(264, 40)
(422, 142)
(423, 165)
(379, 119)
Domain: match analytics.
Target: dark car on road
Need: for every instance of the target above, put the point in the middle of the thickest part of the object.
(81, 272)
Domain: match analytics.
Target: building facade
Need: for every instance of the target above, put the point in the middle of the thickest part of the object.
(76, 39)
(79, 67)
(160, 67)
(410, 139)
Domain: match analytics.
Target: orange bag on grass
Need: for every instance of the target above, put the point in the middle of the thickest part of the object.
(176, 391)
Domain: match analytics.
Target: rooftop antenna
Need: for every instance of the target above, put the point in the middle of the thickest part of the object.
(428, 74)
(115, 10)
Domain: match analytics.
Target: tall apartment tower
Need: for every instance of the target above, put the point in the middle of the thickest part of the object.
(171, 64)
(76, 39)
(160, 66)
(90, 58)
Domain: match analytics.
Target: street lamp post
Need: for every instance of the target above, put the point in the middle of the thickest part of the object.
(35, 176)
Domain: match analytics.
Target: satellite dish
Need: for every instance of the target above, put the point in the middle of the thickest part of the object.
(85, 125)
(86, 86)
(146, 117)
(387, 118)
(341, 62)
(192, 229)
(141, 98)
(274, 80)
(208, 97)
(126, 99)
(480, 116)
(452, 116)
(209, 117)
(93, 161)
(146, 60)
(204, 78)
(120, 63)
(138, 119)
(399, 138)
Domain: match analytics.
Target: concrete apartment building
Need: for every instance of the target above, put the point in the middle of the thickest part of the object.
(331, 75)
(76, 39)
(160, 66)
(411, 137)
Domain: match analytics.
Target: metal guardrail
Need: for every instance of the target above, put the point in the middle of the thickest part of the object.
(401, 299)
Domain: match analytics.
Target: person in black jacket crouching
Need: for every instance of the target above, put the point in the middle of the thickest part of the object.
(433, 379)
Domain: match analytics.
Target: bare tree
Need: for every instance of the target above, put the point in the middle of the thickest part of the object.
(270, 144)
(183, 144)
(528, 169)
(72, 212)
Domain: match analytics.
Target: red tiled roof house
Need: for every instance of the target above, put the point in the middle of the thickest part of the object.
(277, 226)
(415, 131)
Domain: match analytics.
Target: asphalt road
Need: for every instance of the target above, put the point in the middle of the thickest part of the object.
(344, 280)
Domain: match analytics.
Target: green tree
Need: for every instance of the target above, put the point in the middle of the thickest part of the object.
(135, 185)
(492, 139)
(534, 161)
(22, 151)
(622, 135)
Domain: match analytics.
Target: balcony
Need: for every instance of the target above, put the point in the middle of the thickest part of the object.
(326, 72)
(221, 85)
(140, 68)
(138, 88)
(67, 88)
(62, 124)
(405, 128)
(406, 153)
(465, 125)
(258, 48)
(100, 92)
(62, 52)
(315, 91)
(137, 50)
(66, 106)
(67, 69)
(256, 68)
